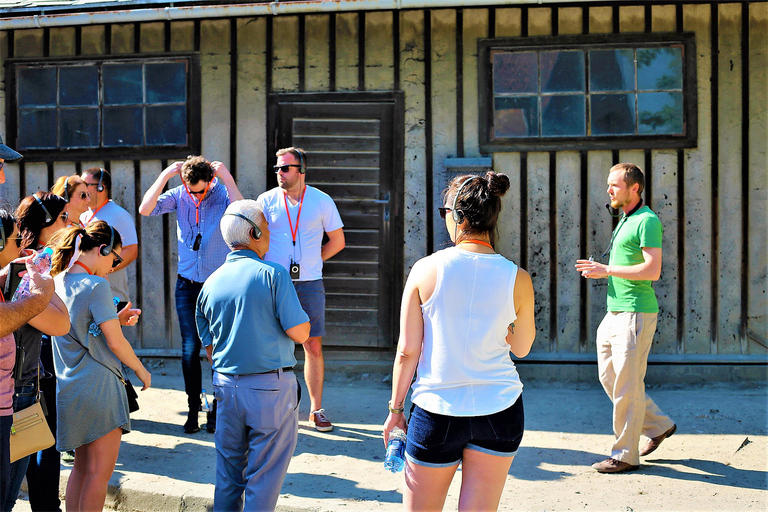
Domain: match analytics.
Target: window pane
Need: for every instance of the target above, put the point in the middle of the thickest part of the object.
(515, 72)
(37, 128)
(79, 128)
(611, 70)
(612, 114)
(122, 84)
(37, 87)
(167, 83)
(562, 71)
(516, 117)
(123, 126)
(563, 116)
(660, 113)
(78, 85)
(166, 125)
(659, 68)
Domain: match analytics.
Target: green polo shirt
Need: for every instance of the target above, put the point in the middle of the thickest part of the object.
(641, 229)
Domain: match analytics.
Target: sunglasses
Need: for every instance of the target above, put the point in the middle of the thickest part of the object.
(285, 168)
(85, 195)
(91, 184)
(118, 260)
(443, 211)
(197, 193)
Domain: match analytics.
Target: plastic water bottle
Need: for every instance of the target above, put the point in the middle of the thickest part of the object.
(40, 262)
(395, 459)
(205, 407)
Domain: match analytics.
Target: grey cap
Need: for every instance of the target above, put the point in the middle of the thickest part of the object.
(8, 154)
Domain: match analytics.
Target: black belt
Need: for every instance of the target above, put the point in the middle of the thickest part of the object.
(185, 280)
(285, 369)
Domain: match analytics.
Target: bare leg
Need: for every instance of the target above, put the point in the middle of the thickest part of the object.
(75, 481)
(483, 478)
(314, 371)
(425, 487)
(96, 464)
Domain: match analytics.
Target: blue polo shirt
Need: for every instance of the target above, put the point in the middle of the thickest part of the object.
(244, 309)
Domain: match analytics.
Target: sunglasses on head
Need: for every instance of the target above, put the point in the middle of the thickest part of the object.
(118, 260)
(285, 168)
(443, 211)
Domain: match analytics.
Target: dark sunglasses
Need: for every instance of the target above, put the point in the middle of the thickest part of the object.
(118, 260)
(197, 193)
(443, 211)
(85, 195)
(91, 184)
(285, 168)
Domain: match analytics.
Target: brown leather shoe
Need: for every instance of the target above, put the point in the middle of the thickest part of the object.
(611, 465)
(654, 443)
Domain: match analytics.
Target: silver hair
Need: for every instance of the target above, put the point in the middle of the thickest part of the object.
(235, 230)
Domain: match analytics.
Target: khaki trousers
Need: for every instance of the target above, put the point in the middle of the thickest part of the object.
(623, 343)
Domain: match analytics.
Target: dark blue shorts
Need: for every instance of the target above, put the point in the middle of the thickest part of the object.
(312, 297)
(438, 441)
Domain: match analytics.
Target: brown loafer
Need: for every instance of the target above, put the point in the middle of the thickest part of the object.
(611, 465)
(654, 443)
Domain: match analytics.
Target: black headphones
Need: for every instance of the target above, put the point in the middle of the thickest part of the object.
(2, 236)
(99, 185)
(48, 217)
(104, 251)
(302, 161)
(458, 215)
(66, 189)
(255, 231)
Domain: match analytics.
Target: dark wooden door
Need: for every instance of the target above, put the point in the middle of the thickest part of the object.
(353, 143)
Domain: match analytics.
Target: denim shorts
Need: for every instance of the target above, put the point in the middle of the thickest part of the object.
(312, 297)
(437, 441)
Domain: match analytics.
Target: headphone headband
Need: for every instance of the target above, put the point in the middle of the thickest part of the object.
(458, 217)
(302, 161)
(255, 230)
(2, 236)
(48, 216)
(66, 189)
(108, 248)
(100, 186)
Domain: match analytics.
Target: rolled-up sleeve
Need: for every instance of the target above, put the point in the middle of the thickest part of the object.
(167, 202)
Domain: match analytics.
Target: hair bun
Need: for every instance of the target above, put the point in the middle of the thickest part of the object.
(498, 183)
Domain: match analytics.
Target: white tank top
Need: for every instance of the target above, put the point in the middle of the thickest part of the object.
(465, 367)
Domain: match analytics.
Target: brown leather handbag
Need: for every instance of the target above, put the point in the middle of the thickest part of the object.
(30, 432)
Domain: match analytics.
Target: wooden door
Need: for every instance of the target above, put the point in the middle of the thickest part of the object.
(353, 143)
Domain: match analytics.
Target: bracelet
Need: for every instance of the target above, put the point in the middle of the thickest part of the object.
(394, 411)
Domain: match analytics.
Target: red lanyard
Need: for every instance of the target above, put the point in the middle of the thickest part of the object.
(197, 203)
(83, 265)
(94, 213)
(290, 224)
(473, 241)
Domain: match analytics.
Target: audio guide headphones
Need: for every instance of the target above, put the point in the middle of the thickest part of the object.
(66, 189)
(100, 185)
(302, 160)
(458, 216)
(104, 251)
(255, 231)
(48, 216)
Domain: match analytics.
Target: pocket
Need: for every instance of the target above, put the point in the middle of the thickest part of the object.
(428, 429)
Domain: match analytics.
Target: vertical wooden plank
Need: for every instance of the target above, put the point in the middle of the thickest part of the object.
(443, 109)
(122, 38)
(729, 235)
(698, 193)
(510, 236)
(346, 52)
(379, 63)
(214, 84)
(538, 242)
(540, 22)
(631, 18)
(757, 296)
(28, 43)
(285, 63)
(568, 229)
(63, 169)
(600, 20)
(413, 78)
(252, 105)
(93, 40)
(664, 183)
(62, 41)
(570, 20)
(508, 22)
(152, 37)
(599, 227)
(663, 18)
(317, 72)
(475, 27)
(182, 36)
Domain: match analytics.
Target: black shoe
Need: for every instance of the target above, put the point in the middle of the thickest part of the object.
(191, 426)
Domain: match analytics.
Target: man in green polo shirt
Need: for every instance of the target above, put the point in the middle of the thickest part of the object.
(625, 335)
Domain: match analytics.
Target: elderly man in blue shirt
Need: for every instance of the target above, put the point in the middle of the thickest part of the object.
(206, 189)
(249, 318)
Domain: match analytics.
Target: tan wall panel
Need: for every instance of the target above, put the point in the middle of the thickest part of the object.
(347, 58)
(379, 69)
(757, 308)
(412, 84)
(729, 237)
(62, 41)
(10, 191)
(251, 106)
(538, 243)
(475, 27)
(600, 20)
(317, 57)
(510, 237)
(665, 202)
(664, 18)
(570, 20)
(568, 230)
(632, 18)
(93, 40)
(182, 36)
(698, 193)
(36, 174)
(508, 22)
(62, 169)
(215, 88)
(285, 63)
(599, 228)
(540, 22)
(28, 43)
(152, 37)
(122, 38)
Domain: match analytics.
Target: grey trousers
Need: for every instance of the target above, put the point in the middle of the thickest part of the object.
(256, 434)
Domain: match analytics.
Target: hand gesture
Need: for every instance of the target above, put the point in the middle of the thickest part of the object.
(173, 169)
(145, 377)
(221, 170)
(128, 316)
(591, 269)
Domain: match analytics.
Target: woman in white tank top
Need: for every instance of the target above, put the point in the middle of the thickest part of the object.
(464, 308)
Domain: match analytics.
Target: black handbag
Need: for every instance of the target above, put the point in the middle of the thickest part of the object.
(133, 397)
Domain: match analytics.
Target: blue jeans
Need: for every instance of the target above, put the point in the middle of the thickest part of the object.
(23, 398)
(186, 299)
